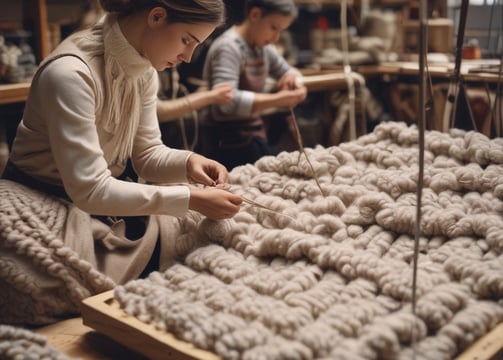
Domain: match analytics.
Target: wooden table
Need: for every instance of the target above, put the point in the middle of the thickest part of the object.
(12, 93)
(325, 79)
(437, 70)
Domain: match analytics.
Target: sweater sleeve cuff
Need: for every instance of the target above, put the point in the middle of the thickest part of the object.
(177, 197)
(245, 105)
(188, 154)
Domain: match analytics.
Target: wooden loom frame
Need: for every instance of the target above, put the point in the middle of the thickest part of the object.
(103, 313)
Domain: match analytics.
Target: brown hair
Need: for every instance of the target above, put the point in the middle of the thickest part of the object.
(282, 7)
(180, 11)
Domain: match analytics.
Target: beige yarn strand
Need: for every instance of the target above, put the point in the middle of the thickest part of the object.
(300, 143)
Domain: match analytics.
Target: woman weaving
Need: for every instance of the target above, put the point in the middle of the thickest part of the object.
(245, 56)
(92, 105)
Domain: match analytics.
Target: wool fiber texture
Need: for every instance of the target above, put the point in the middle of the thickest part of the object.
(333, 279)
(42, 280)
(22, 344)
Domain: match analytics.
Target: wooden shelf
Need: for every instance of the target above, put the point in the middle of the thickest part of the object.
(12, 93)
(35, 21)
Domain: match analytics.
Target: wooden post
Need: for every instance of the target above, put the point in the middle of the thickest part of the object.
(35, 20)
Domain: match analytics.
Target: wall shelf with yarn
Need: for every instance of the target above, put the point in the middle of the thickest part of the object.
(35, 21)
(43, 20)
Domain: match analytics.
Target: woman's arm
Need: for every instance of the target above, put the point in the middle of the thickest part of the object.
(223, 65)
(283, 98)
(65, 98)
(169, 110)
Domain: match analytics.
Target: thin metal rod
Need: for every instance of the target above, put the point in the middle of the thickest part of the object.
(264, 207)
(347, 69)
(423, 51)
(453, 92)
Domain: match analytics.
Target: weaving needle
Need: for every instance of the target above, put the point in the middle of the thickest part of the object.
(261, 206)
(251, 202)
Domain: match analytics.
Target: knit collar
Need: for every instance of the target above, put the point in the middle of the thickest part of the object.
(130, 61)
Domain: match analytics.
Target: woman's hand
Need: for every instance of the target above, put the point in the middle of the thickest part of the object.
(289, 80)
(215, 203)
(290, 98)
(221, 94)
(201, 170)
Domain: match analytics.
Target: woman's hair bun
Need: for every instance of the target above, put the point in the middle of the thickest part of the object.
(187, 11)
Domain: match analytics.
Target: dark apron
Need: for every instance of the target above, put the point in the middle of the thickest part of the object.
(240, 141)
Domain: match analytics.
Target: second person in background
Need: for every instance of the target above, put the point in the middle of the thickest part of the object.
(177, 108)
(245, 56)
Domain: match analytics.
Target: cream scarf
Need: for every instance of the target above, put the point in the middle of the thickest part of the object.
(124, 73)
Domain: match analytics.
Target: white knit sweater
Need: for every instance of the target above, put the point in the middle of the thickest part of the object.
(79, 115)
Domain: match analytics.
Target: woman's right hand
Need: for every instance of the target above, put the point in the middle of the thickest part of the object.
(214, 203)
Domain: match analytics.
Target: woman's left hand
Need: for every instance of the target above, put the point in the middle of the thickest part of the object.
(202, 170)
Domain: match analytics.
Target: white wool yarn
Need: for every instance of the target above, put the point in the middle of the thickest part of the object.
(41, 279)
(17, 343)
(330, 277)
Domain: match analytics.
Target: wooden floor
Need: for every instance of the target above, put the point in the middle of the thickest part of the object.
(76, 340)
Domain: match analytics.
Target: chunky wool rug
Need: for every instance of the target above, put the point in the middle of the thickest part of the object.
(328, 274)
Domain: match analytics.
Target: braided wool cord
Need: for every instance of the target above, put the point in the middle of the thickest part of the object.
(22, 344)
(335, 282)
(32, 230)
